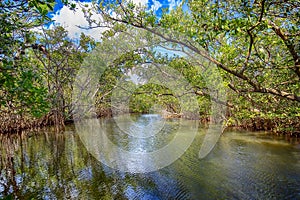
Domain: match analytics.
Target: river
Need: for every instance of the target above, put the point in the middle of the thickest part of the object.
(243, 165)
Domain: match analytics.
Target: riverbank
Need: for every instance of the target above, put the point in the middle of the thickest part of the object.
(278, 126)
(11, 123)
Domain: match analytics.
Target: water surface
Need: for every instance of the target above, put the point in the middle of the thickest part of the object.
(243, 165)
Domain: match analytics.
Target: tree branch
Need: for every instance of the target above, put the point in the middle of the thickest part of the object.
(256, 86)
(288, 44)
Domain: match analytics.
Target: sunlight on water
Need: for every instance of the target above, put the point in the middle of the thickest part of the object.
(243, 165)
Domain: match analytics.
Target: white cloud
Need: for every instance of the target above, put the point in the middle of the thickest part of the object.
(173, 4)
(142, 2)
(72, 19)
(156, 5)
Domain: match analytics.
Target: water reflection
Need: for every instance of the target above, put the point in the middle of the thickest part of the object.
(242, 166)
(52, 166)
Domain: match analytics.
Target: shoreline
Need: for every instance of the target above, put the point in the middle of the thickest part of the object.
(252, 124)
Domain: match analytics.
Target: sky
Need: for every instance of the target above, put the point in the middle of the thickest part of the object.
(71, 20)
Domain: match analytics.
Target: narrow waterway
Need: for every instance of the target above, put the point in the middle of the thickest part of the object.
(243, 165)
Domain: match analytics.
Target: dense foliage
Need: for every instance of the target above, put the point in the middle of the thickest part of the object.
(255, 46)
(37, 66)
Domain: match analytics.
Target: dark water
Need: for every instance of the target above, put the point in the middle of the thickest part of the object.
(243, 165)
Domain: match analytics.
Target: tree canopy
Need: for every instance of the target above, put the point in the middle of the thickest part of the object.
(36, 65)
(254, 45)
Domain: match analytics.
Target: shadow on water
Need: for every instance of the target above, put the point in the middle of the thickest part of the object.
(242, 166)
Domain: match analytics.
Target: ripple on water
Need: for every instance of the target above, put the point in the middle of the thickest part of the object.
(243, 165)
